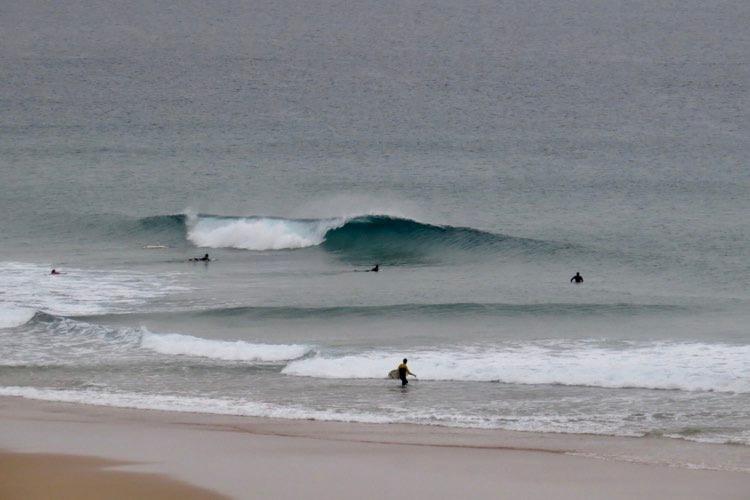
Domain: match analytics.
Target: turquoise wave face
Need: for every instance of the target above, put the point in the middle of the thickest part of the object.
(397, 240)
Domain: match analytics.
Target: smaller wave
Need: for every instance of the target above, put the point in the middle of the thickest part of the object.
(175, 344)
(11, 316)
(57, 341)
(49, 340)
(665, 366)
(450, 309)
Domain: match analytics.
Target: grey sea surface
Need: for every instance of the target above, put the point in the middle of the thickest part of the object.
(480, 152)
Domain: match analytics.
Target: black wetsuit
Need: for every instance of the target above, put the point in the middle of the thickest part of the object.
(403, 370)
(402, 376)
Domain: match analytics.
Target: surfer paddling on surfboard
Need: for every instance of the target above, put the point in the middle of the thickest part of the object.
(373, 270)
(201, 259)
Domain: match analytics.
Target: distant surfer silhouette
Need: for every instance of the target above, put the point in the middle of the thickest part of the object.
(373, 270)
(55, 271)
(577, 278)
(403, 371)
(202, 259)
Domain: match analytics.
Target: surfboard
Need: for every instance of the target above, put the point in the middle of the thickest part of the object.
(393, 373)
(153, 247)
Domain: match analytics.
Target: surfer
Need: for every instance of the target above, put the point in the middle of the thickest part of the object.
(202, 259)
(403, 371)
(577, 278)
(373, 270)
(54, 271)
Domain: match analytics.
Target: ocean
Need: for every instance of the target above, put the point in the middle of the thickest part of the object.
(480, 152)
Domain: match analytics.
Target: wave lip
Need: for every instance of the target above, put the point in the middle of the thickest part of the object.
(175, 344)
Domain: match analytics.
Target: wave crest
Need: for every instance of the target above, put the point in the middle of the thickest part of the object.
(257, 233)
(186, 345)
(12, 316)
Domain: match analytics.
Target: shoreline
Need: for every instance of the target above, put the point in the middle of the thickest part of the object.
(234, 456)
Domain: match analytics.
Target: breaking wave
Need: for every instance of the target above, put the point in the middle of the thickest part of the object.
(379, 237)
(49, 340)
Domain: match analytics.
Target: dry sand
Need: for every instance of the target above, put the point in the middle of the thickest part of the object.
(99, 450)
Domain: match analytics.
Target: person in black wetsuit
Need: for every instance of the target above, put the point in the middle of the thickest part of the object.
(375, 269)
(403, 371)
(202, 259)
(577, 278)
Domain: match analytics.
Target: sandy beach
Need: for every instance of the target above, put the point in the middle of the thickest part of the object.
(103, 452)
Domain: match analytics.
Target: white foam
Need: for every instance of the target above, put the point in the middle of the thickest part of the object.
(79, 291)
(186, 345)
(66, 342)
(657, 365)
(11, 316)
(218, 406)
(258, 233)
(576, 424)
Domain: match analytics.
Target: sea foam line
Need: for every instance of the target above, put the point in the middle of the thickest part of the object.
(243, 407)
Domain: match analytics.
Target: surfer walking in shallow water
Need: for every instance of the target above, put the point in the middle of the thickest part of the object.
(403, 371)
(577, 278)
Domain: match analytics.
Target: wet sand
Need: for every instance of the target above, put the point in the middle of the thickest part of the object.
(81, 449)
